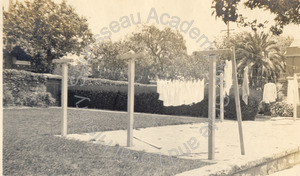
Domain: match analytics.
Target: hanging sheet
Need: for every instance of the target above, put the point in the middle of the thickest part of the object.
(176, 92)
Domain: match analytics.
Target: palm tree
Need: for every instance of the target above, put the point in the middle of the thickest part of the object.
(262, 55)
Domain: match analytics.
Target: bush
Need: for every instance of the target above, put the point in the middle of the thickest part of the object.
(248, 111)
(8, 99)
(148, 102)
(281, 109)
(34, 99)
(24, 88)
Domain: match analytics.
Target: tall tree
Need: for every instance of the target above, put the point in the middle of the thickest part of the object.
(263, 56)
(164, 57)
(163, 48)
(45, 30)
(105, 62)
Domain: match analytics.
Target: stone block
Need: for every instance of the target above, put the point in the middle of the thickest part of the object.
(297, 157)
(285, 162)
(261, 170)
(272, 167)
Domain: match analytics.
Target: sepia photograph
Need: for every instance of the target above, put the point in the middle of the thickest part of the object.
(150, 88)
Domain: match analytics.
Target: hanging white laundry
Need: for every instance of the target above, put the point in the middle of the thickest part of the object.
(176, 93)
(169, 94)
(161, 86)
(245, 86)
(176, 100)
(201, 92)
(159, 89)
(270, 93)
(292, 91)
(296, 90)
(227, 77)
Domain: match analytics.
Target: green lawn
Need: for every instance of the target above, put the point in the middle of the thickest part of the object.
(30, 147)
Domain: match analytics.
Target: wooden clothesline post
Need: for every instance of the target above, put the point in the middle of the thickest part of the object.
(130, 102)
(237, 101)
(221, 97)
(212, 107)
(130, 99)
(212, 55)
(64, 94)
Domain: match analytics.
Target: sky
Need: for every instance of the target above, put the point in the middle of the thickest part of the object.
(101, 13)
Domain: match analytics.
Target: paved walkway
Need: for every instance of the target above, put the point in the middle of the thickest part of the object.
(262, 139)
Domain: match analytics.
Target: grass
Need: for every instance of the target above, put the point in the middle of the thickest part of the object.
(30, 147)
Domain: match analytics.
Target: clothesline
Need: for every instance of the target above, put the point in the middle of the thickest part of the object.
(175, 92)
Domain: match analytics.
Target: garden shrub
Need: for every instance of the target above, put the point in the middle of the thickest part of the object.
(35, 99)
(24, 88)
(149, 103)
(281, 109)
(248, 111)
(8, 99)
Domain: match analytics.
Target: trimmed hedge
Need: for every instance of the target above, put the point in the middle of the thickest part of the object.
(148, 103)
(24, 88)
(28, 89)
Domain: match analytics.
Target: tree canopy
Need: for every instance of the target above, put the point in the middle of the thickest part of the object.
(286, 12)
(165, 56)
(162, 48)
(45, 30)
(261, 52)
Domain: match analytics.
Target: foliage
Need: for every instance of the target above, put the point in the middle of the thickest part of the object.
(164, 57)
(24, 88)
(34, 99)
(162, 48)
(8, 98)
(77, 70)
(282, 42)
(286, 12)
(105, 63)
(45, 31)
(248, 111)
(262, 53)
(226, 9)
(281, 109)
(146, 100)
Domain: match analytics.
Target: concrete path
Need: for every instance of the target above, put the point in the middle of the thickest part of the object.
(262, 139)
